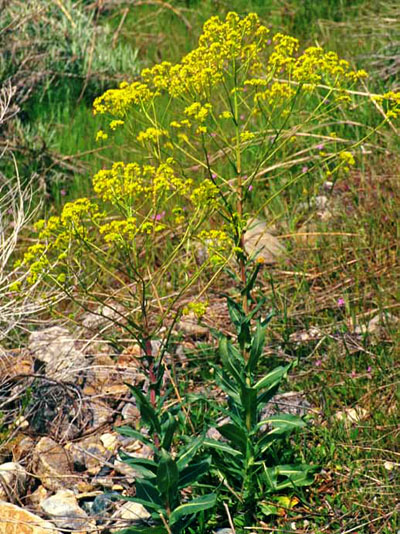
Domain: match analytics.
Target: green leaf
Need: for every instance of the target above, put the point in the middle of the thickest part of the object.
(148, 493)
(257, 346)
(231, 359)
(193, 507)
(147, 411)
(227, 385)
(143, 530)
(189, 452)
(244, 334)
(167, 477)
(221, 446)
(249, 401)
(295, 475)
(193, 472)
(236, 312)
(251, 281)
(145, 467)
(283, 422)
(235, 435)
(274, 377)
(131, 433)
(169, 428)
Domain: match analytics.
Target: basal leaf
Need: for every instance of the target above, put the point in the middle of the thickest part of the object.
(147, 411)
(189, 452)
(194, 472)
(167, 476)
(235, 435)
(273, 378)
(257, 346)
(193, 507)
(221, 446)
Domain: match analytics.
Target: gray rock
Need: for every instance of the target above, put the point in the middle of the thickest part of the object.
(129, 513)
(12, 480)
(260, 244)
(55, 347)
(64, 511)
(292, 402)
(88, 454)
(52, 465)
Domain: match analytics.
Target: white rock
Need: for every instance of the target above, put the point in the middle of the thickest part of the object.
(110, 441)
(352, 415)
(377, 324)
(12, 480)
(64, 510)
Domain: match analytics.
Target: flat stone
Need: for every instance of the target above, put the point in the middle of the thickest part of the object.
(101, 413)
(52, 465)
(12, 480)
(64, 510)
(16, 520)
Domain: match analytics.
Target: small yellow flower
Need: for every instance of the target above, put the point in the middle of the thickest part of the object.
(101, 135)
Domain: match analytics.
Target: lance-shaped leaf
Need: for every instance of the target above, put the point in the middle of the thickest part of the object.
(167, 477)
(169, 428)
(189, 452)
(193, 507)
(283, 422)
(236, 312)
(257, 346)
(294, 476)
(273, 378)
(231, 359)
(145, 467)
(221, 446)
(148, 495)
(235, 435)
(131, 433)
(226, 384)
(193, 472)
(147, 411)
(143, 530)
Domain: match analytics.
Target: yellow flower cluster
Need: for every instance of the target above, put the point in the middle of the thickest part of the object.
(119, 231)
(151, 134)
(347, 157)
(219, 244)
(276, 95)
(197, 111)
(197, 308)
(392, 101)
(118, 101)
(204, 194)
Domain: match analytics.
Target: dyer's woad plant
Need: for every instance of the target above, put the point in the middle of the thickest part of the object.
(240, 121)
